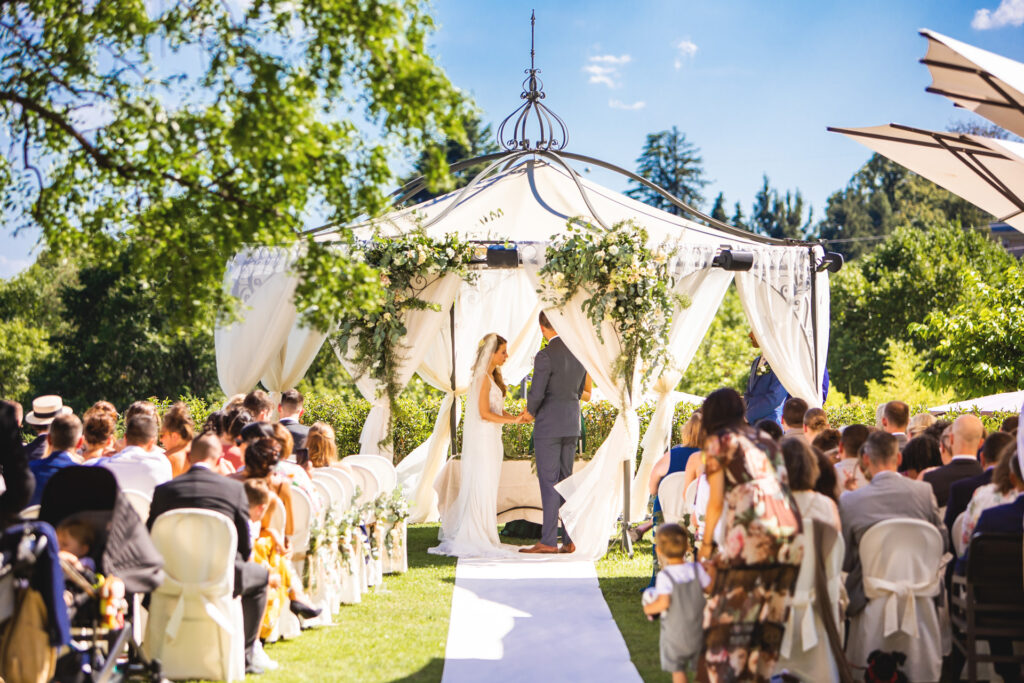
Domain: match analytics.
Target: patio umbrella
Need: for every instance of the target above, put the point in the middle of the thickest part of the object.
(987, 172)
(1009, 402)
(986, 83)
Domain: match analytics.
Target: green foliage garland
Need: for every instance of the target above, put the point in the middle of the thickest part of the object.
(629, 286)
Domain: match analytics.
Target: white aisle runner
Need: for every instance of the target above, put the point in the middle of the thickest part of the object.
(532, 620)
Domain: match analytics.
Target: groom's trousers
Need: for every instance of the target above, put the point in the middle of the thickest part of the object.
(555, 456)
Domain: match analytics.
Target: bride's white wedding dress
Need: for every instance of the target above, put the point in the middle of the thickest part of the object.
(469, 528)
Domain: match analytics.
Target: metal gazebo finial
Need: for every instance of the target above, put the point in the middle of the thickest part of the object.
(552, 132)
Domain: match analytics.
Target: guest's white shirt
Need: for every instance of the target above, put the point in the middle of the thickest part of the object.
(138, 470)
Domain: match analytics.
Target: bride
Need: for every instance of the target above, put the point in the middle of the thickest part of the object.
(469, 528)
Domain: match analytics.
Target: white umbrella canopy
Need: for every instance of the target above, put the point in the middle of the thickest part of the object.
(987, 172)
(983, 82)
(1009, 402)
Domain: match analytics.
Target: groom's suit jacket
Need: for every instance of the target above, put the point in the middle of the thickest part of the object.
(554, 396)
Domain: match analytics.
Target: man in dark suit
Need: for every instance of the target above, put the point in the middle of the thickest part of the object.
(202, 487)
(44, 410)
(554, 403)
(765, 393)
(889, 495)
(968, 435)
(290, 410)
(895, 419)
(961, 491)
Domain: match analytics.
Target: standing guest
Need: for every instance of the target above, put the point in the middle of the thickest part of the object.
(321, 446)
(804, 469)
(968, 436)
(814, 423)
(770, 427)
(1007, 483)
(887, 496)
(1009, 425)
(920, 454)
(291, 411)
(793, 411)
(18, 482)
(139, 466)
(960, 492)
(44, 410)
(919, 423)
(203, 488)
(849, 475)
(765, 393)
(895, 418)
(678, 597)
(748, 486)
(259, 405)
(63, 439)
(98, 435)
(176, 432)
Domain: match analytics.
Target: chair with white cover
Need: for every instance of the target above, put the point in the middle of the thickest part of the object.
(690, 496)
(335, 498)
(324, 494)
(958, 532)
(903, 564)
(670, 496)
(195, 625)
(348, 486)
(387, 475)
(805, 651)
(140, 500)
(368, 483)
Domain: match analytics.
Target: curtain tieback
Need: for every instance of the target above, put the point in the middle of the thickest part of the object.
(894, 592)
(808, 633)
(210, 593)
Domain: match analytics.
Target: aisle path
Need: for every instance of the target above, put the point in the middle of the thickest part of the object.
(532, 620)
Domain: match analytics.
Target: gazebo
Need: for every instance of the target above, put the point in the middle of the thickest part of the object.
(524, 197)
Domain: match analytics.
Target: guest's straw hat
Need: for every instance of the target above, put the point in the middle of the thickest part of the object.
(44, 409)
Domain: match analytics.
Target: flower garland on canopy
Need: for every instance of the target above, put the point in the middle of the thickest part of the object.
(629, 284)
(407, 263)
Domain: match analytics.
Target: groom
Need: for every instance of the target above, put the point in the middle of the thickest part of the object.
(554, 403)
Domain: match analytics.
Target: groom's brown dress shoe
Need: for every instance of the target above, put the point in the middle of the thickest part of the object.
(540, 549)
(568, 548)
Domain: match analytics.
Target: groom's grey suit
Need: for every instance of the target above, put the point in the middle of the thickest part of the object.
(554, 402)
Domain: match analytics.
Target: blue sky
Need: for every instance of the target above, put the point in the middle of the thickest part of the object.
(754, 84)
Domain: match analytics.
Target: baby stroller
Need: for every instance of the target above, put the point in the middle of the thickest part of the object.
(122, 549)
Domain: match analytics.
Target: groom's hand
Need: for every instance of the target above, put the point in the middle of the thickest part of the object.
(525, 417)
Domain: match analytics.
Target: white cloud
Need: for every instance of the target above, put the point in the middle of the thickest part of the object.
(687, 49)
(604, 69)
(1009, 13)
(619, 104)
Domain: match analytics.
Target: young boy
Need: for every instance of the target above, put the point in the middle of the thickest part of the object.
(678, 596)
(75, 538)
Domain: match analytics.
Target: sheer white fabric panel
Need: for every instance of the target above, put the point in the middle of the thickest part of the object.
(290, 364)
(705, 287)
(501, 301)
(776, 296)
(593, 496)
(261, 279)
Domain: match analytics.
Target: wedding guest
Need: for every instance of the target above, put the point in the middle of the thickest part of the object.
(804, 469)
(44, 410)
(259, 405)
(968, 436)
(1007, 483)
(827, 441)
(287, 466)
(793, 411)
(677, 597)
(137, 408)
(827, 483)
(18, 482)
(321, 446)
(960, 492)
(290, 410)
(216, 424)
(262, 453)
(98, 434)
(63, 439)
(849, 475)
(895, 418)
(745, 473)
(920, 454)
(75, 538)
(771, 428)
(102, 407)
(814, 423)
(919, 423)
(139, 466)
(19, 412)
(1009, 424)
(176, 432)
(234, 422)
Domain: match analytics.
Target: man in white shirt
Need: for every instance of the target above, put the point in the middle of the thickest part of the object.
(793, 411)
(139, 467)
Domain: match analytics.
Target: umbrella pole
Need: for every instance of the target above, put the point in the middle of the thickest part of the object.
(627, 543)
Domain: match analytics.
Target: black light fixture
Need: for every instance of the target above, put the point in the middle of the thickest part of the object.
(727, 259)
(832, 261)
(502, 256)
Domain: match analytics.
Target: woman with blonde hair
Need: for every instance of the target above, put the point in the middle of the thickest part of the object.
(321, 445)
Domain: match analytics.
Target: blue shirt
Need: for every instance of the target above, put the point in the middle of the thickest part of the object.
(44, 468)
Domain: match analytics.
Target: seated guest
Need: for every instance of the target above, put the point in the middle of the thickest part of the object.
(793, 411)
(919, 423)
(968, 436)
(887, 496)
(259, 405)
(201, 487)
(1009, 425)
(176, 432)
(139, 466)
(216, 423)
(827, 441)
(770, 427)
(1007, 483)
(262, 453)
(849, 475)
(321, 446)
(16, 480)
(44, 410)
(147, 408)
(827, 484)
(290, 410)
(920, 454)
(804, 469)
(814, 423)
(231, 440)
(960, 492)
(98, 435)
(895, 418)
(287, 465)
(63, 439)
(75, 538)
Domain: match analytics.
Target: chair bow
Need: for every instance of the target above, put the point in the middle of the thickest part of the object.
(894, 592)
(808, 633)
(208, 592)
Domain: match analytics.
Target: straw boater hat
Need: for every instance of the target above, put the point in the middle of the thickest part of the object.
(44, 409)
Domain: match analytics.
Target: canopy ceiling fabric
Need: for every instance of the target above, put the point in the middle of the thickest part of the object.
(983, 82)
(987, 172)
(1009, 402)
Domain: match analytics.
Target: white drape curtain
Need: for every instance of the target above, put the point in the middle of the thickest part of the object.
(705, 287)
(501, 301)
(289, 365)
(776, 296)
(422, 327)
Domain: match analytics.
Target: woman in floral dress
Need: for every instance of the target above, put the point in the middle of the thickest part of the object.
(756, 565)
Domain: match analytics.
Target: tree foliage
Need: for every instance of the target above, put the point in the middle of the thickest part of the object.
(724, 356)
(673, 163)
(191, 129)
(479, 141)
(779, 216)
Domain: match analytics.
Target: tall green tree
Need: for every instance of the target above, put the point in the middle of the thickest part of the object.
(738, 219)
(673, 163)
(191, 129)
(718, 210)
(779, 216)
(479, 141)
(725, 353)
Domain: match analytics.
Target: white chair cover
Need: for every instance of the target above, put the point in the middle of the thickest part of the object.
(691, 493)
(140, 500)
(805, 650)
(195, 626)
(902, 560)
(328, 489)
(381, 466)
(368, 484)
(348, 485)
(670, 495)
(958, 532)
(278, 518)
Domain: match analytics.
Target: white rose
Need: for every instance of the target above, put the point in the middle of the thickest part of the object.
(599, 254)
(613, 250)
(421, 258)
(450, 252)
